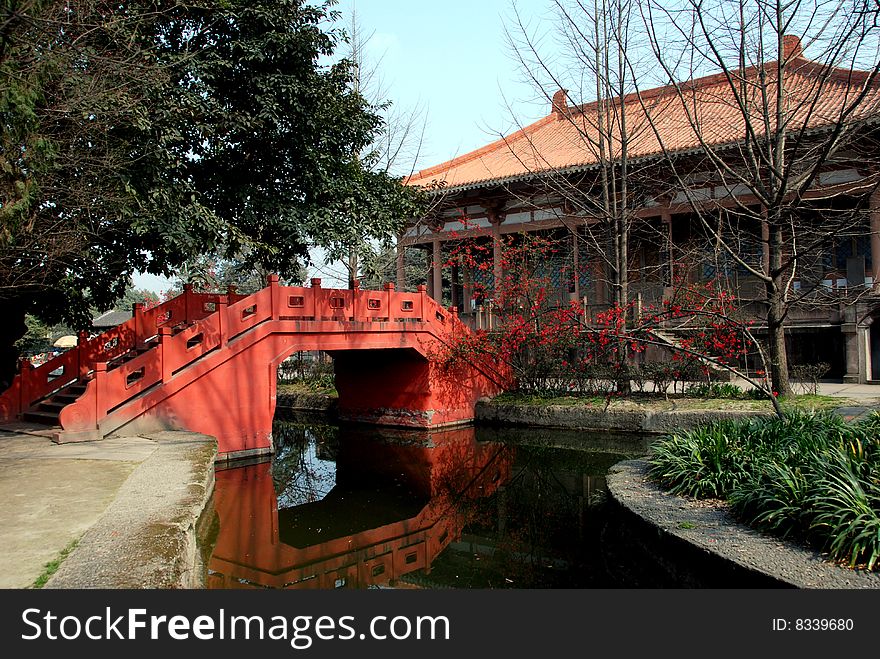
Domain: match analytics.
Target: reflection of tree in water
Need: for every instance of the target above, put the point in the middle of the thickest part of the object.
(304, 466)
(543, 524)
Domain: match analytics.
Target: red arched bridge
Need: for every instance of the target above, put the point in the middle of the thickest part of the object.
(208, 363)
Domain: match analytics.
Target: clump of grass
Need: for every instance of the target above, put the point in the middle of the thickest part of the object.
(714, 390)
(808, 476)
(52, 566)
(845, 511)
(706, 462)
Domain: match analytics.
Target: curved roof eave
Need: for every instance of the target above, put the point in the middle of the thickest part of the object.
(574, 169)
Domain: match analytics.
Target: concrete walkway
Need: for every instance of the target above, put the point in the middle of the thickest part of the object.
(55, 494)
(861, 392)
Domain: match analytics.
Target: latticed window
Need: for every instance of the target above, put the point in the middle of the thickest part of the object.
(850, 246)
(583, 274)
(843, 250)
(863, 247)
(484, 281)
(752, 253)
(555, 271)
(722, 264)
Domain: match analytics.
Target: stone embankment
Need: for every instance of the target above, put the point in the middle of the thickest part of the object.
(617, 418)
(698, 543)
(147, 537)
(308, 403)
(129, 508)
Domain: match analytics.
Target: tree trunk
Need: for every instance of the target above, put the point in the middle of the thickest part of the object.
(776, 313)
(12, 329)
(352, 267)
(778, 356)
(623, 383)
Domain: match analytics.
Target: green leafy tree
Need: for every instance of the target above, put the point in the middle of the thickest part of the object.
(140, 135)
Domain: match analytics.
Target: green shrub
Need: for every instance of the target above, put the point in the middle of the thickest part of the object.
(714, 390)
(845, 508)
(809, 476)
(704, 462)
(871, 424)
(756, 394)
(775, 501)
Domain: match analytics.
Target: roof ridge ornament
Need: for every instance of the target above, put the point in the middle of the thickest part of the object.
(559, 104)
(791, 47)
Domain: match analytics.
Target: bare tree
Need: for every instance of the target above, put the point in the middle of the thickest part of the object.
(770, 134)
(599, 190)
(773, 156)
(600, 198)
(396, 149)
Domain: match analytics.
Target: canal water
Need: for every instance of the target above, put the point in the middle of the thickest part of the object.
(470, 507)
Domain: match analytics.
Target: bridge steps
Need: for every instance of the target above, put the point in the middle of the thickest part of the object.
(48, 411)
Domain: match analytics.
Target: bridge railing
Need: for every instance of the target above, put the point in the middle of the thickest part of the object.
(33, 384)
(112, 388)
(184, 330)
(350, 305)
(245, 314)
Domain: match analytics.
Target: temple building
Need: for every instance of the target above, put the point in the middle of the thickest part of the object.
(546, 178)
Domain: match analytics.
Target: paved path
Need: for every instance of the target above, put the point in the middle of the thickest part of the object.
(55, 494)
(860, 392)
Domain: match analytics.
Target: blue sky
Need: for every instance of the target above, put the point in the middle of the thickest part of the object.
(452, 57)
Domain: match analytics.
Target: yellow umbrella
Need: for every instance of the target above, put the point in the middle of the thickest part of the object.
(66, 341)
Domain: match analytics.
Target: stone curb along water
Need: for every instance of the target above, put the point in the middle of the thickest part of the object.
(306, 402)
(753, 559)
(147, 536)
(592, 418)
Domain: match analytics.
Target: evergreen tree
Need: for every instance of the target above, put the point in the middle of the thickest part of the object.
(139, 135)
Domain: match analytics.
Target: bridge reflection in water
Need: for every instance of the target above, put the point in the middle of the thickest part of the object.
(389, 507)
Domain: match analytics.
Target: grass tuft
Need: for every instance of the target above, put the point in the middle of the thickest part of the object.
(52, 566)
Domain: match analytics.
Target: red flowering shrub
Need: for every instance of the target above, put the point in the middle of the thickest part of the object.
(553, 348)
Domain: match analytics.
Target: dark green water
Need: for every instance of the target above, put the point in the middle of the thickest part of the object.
(464, 508)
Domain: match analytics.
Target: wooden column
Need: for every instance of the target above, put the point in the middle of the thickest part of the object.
(495, 219)
(666, 222)
(497, 268)
(429, 279)
(467, 286)
(765, 243)
(436, 271)
(575, 265)
(401, 268)
(875, 240)
(599, 273)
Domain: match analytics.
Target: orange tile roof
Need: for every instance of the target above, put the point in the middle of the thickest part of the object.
(567, 139)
